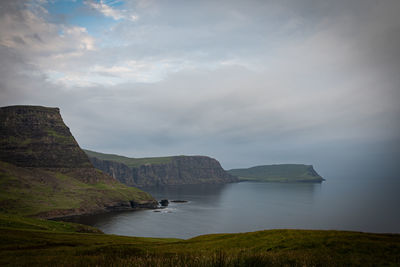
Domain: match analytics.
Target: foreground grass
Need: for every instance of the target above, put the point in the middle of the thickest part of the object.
(10, 221)
(28, 246)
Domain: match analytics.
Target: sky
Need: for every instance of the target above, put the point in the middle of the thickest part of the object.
(246, 82)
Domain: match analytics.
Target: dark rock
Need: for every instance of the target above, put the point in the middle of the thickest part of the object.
(117, 170)
(34, 136)
(164, 202)
(179, 201)
(144, 204)
(180, 170)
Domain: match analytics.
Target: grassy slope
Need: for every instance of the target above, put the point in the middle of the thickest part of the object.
(278, 173)
(18, 222)
(33, 247)
(130, 162)
(31, 191)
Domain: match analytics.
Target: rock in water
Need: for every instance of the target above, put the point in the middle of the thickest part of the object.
(164, 202)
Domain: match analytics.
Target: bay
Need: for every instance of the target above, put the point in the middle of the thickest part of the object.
(341, 203)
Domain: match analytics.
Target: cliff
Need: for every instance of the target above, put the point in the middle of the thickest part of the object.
(176, 170)
(44, 172)
(278, 173)
(33, 136)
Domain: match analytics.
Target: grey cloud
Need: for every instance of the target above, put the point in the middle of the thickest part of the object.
(247, 82)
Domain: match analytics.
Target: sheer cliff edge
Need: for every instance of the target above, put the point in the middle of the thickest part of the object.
(44, 172)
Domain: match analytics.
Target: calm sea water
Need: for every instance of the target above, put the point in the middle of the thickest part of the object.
(363, 204)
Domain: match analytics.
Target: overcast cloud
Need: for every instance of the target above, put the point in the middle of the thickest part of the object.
(247, 82)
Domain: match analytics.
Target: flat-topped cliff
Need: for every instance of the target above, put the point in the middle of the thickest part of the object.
(278, 173)
(175, 170)
(34, 136)
(44, 172)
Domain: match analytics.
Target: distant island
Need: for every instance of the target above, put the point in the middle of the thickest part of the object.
(278, 173)
(161, 171)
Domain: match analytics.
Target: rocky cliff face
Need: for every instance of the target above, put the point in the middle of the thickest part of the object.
(117, 170)
(44, 172)
(180, 170)
(32, 136)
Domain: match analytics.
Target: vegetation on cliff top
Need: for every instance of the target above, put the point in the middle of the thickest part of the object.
(278, 173)
(44, 243)
(130, 162)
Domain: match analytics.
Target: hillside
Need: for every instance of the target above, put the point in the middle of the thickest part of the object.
(175, 170)
(30, 242)
(278, 173)
(44, 172)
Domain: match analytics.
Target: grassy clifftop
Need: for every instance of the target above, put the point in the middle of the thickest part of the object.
(278, 173)
(130, 162)
(39, 243)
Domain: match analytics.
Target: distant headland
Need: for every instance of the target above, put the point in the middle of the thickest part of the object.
(278, 173)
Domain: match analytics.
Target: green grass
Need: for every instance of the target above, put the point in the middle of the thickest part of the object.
(17, 141)
(19, 222)
(60, 138)
(33, 247)
(278, 173)
(48, 192)
(130, 162)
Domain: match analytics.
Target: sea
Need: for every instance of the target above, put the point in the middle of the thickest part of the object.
(353, 202)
